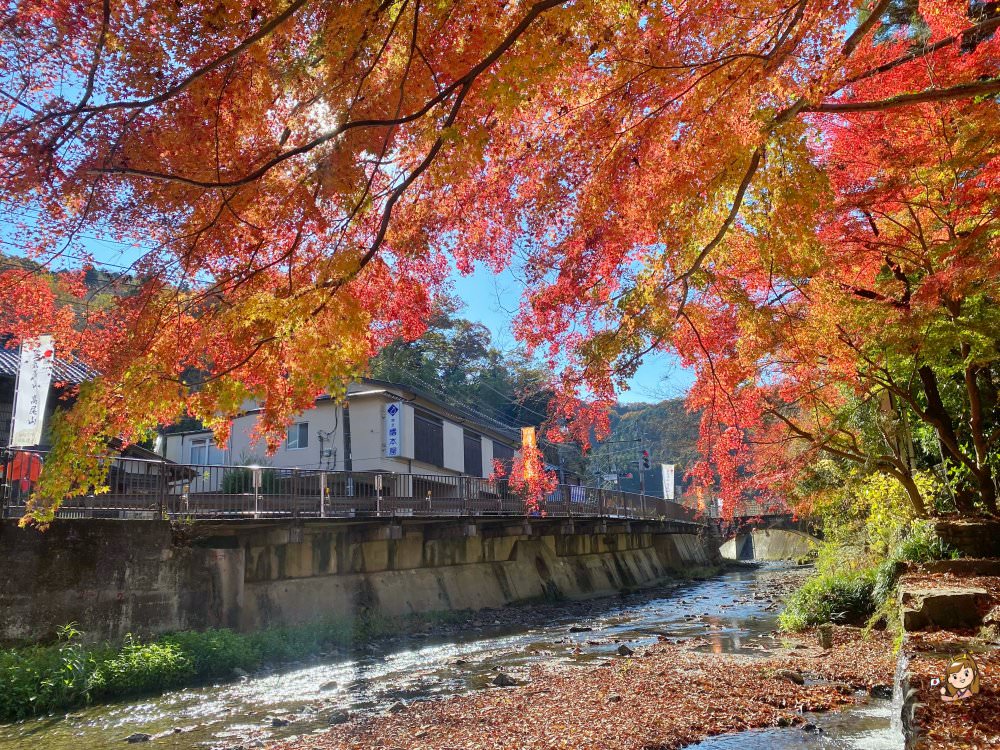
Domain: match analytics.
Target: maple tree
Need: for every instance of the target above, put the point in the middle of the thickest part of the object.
(297, 175)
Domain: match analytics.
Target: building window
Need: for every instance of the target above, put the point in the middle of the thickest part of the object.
(473, 454)
(298, 436)
(200, 451)
(505, 455)
(428, 439)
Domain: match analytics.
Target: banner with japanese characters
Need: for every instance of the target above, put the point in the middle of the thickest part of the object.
(33, 380)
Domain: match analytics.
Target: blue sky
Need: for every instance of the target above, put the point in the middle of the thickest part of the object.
(492, 299)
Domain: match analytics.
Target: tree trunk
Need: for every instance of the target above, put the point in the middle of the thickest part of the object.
(939, 418)
(916, 500)
(987, 489)
(965, 501)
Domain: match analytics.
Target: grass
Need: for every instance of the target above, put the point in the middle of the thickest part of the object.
(866, 594)
(830, 597)
(38, 679)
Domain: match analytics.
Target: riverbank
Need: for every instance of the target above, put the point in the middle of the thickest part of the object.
(72, 673)
(939, 599)
(664, 696)
(734, 611)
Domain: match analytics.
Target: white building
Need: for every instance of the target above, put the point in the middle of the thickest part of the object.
(382, 427)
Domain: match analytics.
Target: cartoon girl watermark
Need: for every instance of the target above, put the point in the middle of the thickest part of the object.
(961, 679)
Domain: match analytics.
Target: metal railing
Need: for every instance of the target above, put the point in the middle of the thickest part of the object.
(142, 488)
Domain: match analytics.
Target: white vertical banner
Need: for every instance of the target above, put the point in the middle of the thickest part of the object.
(34, 376)
(667, 471)
(393, 429)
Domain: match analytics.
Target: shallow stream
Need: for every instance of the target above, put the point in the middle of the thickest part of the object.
(734, 612)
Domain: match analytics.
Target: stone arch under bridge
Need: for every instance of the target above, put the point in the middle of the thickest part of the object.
(770, 537)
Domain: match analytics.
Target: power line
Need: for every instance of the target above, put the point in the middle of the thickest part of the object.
(455, 402)
(135, 245)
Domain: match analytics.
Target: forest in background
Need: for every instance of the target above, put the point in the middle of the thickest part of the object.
(457, 362)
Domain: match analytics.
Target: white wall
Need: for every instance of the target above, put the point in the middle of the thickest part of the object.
(367, 410)
(326, 416)
(454, 447)
(368, 433)
(487, 456)
(408, 446)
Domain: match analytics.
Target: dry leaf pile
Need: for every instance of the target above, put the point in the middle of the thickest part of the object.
(970, 723)
(665, 697)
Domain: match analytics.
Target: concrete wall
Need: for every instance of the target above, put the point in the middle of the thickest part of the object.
(768, 544)
(113, 577)
(343, 571)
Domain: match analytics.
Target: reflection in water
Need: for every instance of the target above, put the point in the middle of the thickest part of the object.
(733, 612)
(864, 728)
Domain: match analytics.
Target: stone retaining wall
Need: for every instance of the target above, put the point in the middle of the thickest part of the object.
(113, 577)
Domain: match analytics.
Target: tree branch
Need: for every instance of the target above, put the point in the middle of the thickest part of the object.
(980, 28)
(730, 218)
(959, 91)
(461, 83)
(864, 27)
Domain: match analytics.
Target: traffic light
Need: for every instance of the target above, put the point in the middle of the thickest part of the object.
(645, 459)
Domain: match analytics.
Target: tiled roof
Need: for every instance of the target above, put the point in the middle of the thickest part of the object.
(62, 371)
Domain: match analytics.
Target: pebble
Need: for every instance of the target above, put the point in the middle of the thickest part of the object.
(790, 674)
(132, 739)
(881, 691)
(504, 680)
(624, 650)
(339, 717)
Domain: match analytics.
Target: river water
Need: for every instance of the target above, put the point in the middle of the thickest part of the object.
(733, 612)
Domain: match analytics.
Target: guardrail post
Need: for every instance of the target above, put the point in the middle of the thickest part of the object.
(5, 455)
(161, 486)
(322, 495)
(463, 493)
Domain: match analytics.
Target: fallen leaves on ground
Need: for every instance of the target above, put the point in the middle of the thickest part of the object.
(970, 723)
(666, 696)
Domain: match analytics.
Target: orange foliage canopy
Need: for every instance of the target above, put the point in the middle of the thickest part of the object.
(299, 175)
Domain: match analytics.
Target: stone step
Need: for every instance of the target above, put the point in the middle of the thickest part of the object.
(942, 607)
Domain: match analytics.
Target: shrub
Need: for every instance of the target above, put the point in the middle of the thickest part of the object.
(42, 678)
(830, 597)
(215, 653)
(240, 481)
(142, 668)
(922, 544)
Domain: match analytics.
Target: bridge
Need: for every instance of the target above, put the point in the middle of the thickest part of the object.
(768, 535)
(155, 489)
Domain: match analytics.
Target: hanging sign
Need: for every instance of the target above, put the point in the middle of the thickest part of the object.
(393, 431)
(34, 376)
(668, 481)
(528, 437)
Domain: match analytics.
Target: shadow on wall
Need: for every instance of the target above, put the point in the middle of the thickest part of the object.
(769, 544)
